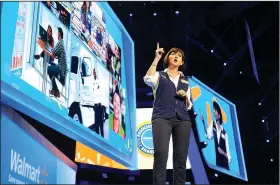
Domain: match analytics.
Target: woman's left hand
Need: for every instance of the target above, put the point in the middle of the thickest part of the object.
(222, 152)
(182, 93)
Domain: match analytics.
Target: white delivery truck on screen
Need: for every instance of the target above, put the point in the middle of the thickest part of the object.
(81, 95)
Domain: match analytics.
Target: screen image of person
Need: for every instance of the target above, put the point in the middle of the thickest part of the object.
(99, 38)
(86, 17)
(50, 37)
(123, 111)
(59, 11)
(113, 58)
(50, 42)
(100, 113)
(217, 126)
(215, 130)
(82, 22)
(56, 71)
(117, 110)
(88, 28)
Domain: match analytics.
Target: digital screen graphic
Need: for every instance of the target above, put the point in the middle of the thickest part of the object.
(69, 57)
(217, 125)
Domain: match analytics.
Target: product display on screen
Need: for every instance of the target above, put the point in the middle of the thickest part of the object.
(68, 56)
(217, 125)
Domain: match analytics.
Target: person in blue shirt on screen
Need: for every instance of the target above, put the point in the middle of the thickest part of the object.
(215, 130)
(86, 16)
(99, 37)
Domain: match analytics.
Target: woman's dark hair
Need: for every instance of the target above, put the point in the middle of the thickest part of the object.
(117, 90)
(218, 109)
(84, 9)
(50, 38)
(166, 58)
(49, 27)
(84, 6)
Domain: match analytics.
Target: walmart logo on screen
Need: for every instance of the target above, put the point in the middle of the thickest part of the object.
(20, 166)
(145, 138)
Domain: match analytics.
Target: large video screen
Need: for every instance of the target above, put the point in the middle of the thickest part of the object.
(72, 58)
(217, 125)
(145, 141)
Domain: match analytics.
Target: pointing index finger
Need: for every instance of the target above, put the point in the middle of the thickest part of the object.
(157, 45)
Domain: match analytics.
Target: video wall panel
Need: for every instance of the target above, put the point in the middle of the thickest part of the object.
(70, 58)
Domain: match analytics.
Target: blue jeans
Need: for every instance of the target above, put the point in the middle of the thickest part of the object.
(51, 61)
(55, 72)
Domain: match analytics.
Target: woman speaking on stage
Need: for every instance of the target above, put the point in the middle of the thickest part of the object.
(170, 114)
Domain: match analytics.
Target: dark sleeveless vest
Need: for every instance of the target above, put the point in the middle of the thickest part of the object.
(166, 104)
